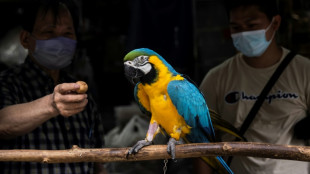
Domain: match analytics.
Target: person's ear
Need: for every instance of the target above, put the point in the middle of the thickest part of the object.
(24, 39)
(276, 22)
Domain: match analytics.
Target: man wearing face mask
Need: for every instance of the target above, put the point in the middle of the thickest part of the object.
(232, 88)
(39, 108)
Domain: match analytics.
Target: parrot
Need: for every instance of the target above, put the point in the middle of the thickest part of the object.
(174, 103)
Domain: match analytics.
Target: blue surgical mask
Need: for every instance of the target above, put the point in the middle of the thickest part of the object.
(55, 53)
(252, 43)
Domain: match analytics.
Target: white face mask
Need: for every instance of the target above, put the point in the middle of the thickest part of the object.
(55, 53)
(252, 43)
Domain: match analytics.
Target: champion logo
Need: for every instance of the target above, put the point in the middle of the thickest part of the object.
(235, 96)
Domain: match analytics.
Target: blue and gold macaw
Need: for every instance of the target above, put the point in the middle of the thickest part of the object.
(174, 103)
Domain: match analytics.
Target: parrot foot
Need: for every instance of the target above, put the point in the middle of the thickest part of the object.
(171, 147)
(139, 145)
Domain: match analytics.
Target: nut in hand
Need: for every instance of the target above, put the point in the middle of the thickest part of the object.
(83, 87)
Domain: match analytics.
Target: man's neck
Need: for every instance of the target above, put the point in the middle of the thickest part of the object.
(54, 74)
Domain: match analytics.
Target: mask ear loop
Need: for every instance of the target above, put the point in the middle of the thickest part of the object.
(268, 29)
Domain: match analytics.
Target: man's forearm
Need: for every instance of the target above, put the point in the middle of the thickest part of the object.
(21, 119)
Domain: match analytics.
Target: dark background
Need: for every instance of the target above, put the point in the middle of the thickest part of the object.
(192, 35)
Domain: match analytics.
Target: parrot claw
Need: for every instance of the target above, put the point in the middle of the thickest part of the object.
(139, 145)
(171, 147)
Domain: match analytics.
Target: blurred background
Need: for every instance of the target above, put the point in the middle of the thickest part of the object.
(192, 35)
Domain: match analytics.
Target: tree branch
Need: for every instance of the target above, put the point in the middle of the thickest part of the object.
(154, 152)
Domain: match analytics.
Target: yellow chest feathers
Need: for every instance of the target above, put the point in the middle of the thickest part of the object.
(163, 110)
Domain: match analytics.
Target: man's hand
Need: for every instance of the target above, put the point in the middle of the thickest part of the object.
(66, 101)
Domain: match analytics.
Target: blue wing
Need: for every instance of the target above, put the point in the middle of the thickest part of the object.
(191, 104)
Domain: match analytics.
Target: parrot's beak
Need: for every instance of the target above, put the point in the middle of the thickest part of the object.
(133, 74)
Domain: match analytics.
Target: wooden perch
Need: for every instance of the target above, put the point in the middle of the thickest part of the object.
(154, 152)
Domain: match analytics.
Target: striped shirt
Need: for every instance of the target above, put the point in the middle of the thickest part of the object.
(28, 82)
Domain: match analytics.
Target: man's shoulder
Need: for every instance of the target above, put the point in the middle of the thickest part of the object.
(221, 71)
(13, 72)
(300, 63)
(302, 59)
(225, 65)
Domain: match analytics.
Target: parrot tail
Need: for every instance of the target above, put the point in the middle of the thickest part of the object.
(224, 125)
(218, 164)
(224, 165)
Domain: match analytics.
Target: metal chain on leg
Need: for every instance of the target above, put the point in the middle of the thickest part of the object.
(165, 166)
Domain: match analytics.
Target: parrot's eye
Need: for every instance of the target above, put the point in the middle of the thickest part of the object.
(141, 60)
(145, 58)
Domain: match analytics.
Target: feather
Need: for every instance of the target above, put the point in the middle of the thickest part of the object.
(225, 126)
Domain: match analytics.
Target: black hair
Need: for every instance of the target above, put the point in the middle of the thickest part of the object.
(32, 7)
(268, 7)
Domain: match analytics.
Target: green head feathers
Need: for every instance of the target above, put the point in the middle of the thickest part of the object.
(139, 52)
